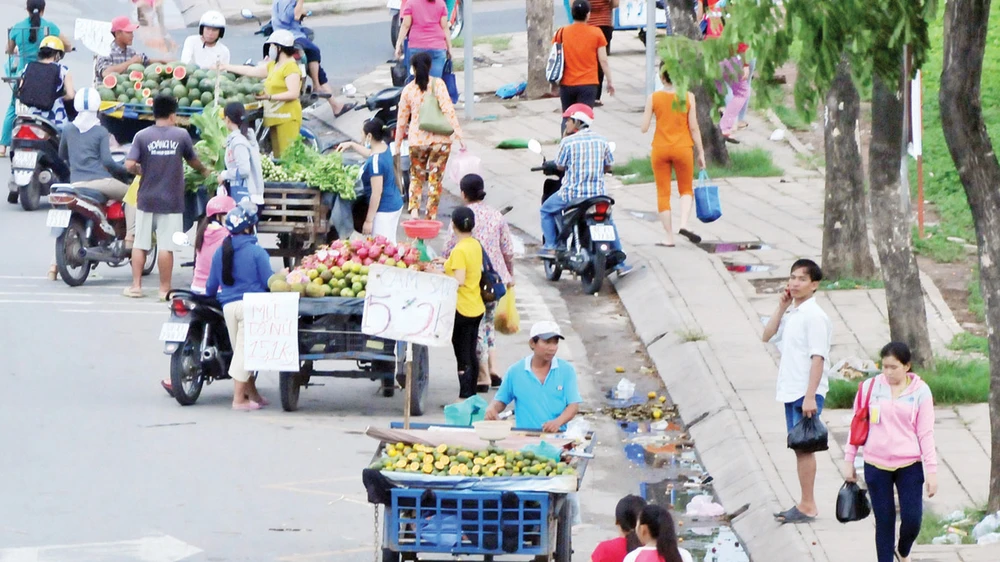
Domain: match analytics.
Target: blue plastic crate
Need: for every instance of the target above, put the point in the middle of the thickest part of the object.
(468, 522)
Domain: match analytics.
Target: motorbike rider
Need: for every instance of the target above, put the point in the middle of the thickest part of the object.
(46, 83)
(206, 49)
(584, 158)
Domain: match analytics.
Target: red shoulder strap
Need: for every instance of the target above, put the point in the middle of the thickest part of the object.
(868, 396)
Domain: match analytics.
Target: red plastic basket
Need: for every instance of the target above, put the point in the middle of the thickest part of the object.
(424, 229)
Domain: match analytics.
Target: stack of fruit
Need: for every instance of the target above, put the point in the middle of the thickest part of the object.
(341, 269)
(456, 461)
(192, 87)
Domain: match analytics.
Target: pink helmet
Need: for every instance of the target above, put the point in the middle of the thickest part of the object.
(219, 205)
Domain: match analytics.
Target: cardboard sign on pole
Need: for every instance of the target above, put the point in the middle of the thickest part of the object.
(271, 331)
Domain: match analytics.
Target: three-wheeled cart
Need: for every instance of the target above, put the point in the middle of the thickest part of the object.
(330, 329)
(487, 517)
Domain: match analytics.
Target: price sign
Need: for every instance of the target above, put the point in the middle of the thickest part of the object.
(271, 331)
(94, 34)
(411, 306)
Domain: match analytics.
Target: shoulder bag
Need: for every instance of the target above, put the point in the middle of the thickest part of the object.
(860, 423)
(432, 119)
(556, 63)
(491, 286)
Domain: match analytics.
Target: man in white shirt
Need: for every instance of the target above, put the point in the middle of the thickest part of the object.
(205, 49)
(802, 332)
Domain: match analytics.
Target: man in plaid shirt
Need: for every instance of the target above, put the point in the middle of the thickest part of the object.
(122, 54)
(584, 157)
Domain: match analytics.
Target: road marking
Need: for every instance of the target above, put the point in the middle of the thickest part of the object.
(163, 548)
(324, 555)
(92, 311)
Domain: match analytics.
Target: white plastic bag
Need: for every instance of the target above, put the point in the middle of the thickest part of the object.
(703, 506)
(992, 538)
(988, 525)
(577, 429)
(625, 389)
(462, 163)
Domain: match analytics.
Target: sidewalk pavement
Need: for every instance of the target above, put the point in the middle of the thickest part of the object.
(193, 9)
(724, 383)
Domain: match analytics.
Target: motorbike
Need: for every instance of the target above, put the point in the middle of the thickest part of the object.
(35, 164)
(456, 18)
(90, 229)
(585, 235)
(197, 341)
(266, 29)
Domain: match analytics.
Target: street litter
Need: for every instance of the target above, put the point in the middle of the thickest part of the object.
(624, 390)
(855, 368)
(992, 538)
(703, 506)
(954, 516)
(950, 538)
(989, 524)
(778, 135)
(726, 548)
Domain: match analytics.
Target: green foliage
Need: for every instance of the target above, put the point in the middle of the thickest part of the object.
(935, 245)
(952, 381)
(211, 149)
(966, 342)
(753, 163)
(325, 172)
(792, 118)
(933, 525)
(977, 305)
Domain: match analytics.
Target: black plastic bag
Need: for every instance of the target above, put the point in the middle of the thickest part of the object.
(852, 503)
(399, 73)
(808, 436)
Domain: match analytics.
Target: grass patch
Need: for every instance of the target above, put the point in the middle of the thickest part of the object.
(936, 246)
(941, 183)
(811, 160)
(966, 342)
(849, 284)
(952, 381)
(457, 65)
(496, 42)
(692, 335)
(933, 525)
(753, 163)
(792, 118)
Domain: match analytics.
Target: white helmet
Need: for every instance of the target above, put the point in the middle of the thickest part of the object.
(282, 38)
(212, 19)
(87, 99)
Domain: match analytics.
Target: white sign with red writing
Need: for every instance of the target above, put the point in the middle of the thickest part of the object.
(409, 305)
(271, 331)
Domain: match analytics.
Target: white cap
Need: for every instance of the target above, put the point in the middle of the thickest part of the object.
(282, 37)
(546, 330)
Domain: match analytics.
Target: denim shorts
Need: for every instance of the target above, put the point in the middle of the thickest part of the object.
(313, 54)
(793, 411)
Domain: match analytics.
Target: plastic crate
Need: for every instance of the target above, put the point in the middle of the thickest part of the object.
(469, 522)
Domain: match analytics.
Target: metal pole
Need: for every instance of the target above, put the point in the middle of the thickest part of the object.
(651, 46)
(470, 63)
(918, 146)
(904, 174)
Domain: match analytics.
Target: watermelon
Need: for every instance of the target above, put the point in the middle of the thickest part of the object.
(136, 76)
(146, 93)
(149, 102)
(197, 103)
(197, 75)
(168, 70)
(207, 84)
(184, 102)
(110, 81)
(107, 94)
(194, 93)
(180, 72)
(123, 98)
(136, 66)
(137, 86)
(211, 74)
(229, 76)
(180, 91)
(151, 85)
(206, 98)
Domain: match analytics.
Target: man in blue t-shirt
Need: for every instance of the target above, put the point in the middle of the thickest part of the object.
(544, 387)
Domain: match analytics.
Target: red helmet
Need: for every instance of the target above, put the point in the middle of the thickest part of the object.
(580, 112)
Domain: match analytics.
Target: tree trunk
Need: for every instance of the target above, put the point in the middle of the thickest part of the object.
(891, 225)
(682, 18)
(846, 252)
(539, 21)
(965, 23)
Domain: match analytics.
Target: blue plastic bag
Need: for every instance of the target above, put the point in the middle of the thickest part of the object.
(708, 207)
(448, 75)
(544, 450)
(465, 412)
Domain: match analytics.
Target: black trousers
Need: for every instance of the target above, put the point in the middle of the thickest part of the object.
(465, 339)
(608, 32)
(569, 95)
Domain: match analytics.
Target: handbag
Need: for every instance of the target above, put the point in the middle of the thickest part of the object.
(448, 76)
(860, 422)
(432, 119)
(491, 286)
(708, 207)
(852, 503)
(399, 73)
(556, 63)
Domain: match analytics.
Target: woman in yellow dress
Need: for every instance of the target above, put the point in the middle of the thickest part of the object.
(282, 85)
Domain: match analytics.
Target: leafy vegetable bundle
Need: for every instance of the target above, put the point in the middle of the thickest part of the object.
(211, 149)
(325, 172)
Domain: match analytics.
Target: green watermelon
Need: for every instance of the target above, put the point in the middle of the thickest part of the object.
(194, 93)
(152, 71)
(184, 102)
(151, 85)
(229, 76)
(107, 94)
(180, 72)
(207, 84)
(179, 91)
(211, 74)
(136, 76)
(123, 98)
(196, 76)
(249, 99)
(206, 98)
(197, 103)
(136, 66)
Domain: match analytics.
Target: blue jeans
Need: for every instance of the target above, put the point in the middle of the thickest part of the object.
(793, 411)
(551, 212)
(909, 482)
(438, 58)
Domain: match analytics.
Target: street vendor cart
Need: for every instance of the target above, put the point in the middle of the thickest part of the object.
(522, 510)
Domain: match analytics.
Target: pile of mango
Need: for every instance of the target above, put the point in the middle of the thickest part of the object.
(456, 461)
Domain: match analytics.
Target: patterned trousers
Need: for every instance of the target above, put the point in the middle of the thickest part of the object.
(427, 165)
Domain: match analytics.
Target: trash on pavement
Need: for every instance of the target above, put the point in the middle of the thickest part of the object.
(854, 368)
(703, 506)
(624, 390)
(726, 548)
(989, 524)
(778, 135)
(950, 538)
(954, 516)
(992, 538)
(577, 429)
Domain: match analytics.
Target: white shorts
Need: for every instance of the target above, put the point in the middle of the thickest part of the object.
(165, 225)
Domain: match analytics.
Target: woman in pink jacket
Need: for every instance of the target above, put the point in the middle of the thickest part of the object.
(899, 451)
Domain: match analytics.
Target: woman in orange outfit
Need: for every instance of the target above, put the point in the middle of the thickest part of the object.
(676, 133)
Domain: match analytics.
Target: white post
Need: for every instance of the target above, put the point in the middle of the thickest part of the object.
(650, 46)
(470, 89)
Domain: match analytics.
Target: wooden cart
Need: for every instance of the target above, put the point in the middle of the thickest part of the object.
(299, 215)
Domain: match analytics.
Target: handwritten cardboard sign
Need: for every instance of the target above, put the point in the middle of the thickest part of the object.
(94, 34)
(407, 305)
(271, 331)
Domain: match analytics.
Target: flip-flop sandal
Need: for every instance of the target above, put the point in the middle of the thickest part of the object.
(730, 140)
(694, 238)
(133, 293)
(665, 245)
(795, 516)
(495, 380)
(163, 297)
(347, 107)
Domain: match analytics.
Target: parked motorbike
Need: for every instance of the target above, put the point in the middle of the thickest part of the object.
(197, 341)
(35, 164)
(90, 229)
(456, 19)
(585, 235)
(266, 29)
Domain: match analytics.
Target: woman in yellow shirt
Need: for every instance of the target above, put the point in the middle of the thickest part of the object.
(465, 264)
(282, 85)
